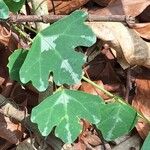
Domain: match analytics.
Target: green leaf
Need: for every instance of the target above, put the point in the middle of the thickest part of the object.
(4, 11)
(14, 5)
(64, 110)
(16, 0)
(16, 60)
(146, 145)
(117, 120)
(53, 52)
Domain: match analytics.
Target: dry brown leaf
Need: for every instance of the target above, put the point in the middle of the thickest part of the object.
(4, 54)
(100, 67)
(88, 88)
(23, 96)
(7, 44)
(93, 139)
(102, 2)
(5, 145)
(143, 29)
(4, 35)
(78, 146)
(142, 103)
(50, 4)
(145, 15)
(64, 7)
(123, 7)
(134, 7)
(130, 48)
(7, 39)
(9, 130)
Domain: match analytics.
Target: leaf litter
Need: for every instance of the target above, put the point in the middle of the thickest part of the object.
(105, 69)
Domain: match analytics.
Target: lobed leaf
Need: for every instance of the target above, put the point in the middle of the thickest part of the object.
(14, 5)
(16, 60)
(53, 52)
(64, 110)
(116, 120)
(146, 145)
(4, 11)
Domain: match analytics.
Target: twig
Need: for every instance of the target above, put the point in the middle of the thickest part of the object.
(53, 18)
(53, 7)
(128, 85)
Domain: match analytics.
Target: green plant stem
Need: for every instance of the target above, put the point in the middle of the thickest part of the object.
(29, 28)
(98, 86)
(116, 98)
(22, 33)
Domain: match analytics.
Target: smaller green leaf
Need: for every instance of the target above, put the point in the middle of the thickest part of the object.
(4, 11)
(14, 5)
(64, 109)
(16, 60)
(146, 145)
(117, 120)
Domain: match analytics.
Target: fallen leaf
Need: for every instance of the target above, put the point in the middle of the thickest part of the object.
(4, 35)
(24, 97)
(91, 138)
(101, 68)
(144, 16)
(64, 7)
(130, 48)
(102, 2)
(4, 145)
(134, 8)
(142, 103)
(143, 29)
(9, 130)
(88, 88)
(123, 7)
(7, 44)
(115, 88)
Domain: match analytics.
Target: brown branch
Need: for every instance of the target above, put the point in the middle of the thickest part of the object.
(53, 18)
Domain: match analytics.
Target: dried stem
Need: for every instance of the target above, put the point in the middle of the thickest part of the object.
(53, 18)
